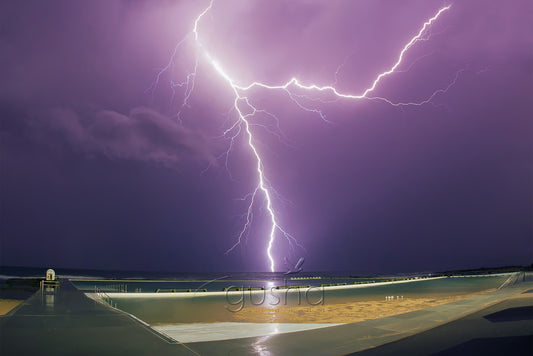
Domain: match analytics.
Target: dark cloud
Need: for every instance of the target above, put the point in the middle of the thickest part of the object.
(143, 135)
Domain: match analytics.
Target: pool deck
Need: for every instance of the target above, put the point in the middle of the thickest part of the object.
(67, 322)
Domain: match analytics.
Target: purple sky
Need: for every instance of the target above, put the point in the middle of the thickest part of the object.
(96, 172)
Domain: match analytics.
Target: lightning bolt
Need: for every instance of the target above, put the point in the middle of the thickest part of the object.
(245, 110)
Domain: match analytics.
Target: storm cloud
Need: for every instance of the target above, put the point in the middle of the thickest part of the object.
(143, 135)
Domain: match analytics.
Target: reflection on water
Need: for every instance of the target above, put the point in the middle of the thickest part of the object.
(269, 303)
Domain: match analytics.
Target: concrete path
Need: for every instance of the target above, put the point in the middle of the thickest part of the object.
(68, 323)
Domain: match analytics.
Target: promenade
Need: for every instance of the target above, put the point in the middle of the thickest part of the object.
(68, 323)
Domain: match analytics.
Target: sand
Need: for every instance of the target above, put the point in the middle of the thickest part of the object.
(344, 312)
(7, 304)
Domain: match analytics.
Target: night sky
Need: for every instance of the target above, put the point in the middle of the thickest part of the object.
(98, 171)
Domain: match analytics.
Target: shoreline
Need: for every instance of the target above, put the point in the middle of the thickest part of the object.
(141, 280)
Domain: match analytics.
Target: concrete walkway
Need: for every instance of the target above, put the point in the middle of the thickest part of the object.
(68, 323)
